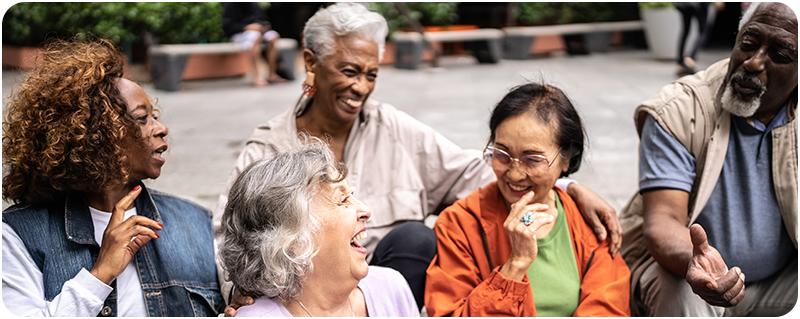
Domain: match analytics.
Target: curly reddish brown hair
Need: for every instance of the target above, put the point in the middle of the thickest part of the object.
(66, 126)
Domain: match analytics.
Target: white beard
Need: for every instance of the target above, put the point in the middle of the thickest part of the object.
(732, 103)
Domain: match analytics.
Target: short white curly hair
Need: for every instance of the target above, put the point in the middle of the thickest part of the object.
(343, 19)
(269, 229)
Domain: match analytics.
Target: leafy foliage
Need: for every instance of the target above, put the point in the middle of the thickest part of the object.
(654, 5)
(31, 23)
(428, 13)
(542, 13)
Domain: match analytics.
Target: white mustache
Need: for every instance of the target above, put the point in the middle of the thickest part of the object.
(751, 80)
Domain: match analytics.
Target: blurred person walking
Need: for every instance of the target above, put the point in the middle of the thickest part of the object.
(245, 23)
(699, 12)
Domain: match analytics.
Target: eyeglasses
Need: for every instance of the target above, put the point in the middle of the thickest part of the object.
(532, 165)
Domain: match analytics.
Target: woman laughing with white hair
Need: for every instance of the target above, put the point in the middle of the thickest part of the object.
(292, 229)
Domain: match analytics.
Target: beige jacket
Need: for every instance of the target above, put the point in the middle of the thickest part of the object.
(401, 169)
(688, 109)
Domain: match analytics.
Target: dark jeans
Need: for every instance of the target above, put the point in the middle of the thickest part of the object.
(689, 10)
(409, 249)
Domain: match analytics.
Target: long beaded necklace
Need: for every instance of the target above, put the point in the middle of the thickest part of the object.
(310, 315)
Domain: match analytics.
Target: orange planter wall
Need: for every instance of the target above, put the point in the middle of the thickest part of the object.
(544, 44)
(206, 66)
(26, 58)
(20, 57)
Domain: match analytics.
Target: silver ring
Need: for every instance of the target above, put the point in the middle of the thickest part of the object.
(527, 218)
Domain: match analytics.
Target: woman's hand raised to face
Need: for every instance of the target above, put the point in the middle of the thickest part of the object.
(523, 237)
(122, 239)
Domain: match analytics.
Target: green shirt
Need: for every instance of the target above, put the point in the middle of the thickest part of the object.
(553, 275)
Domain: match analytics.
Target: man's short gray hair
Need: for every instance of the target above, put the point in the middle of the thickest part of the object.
(748, 14)
(340, 20)
(268, 227)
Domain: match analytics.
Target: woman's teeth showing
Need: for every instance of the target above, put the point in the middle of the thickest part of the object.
(353, 103)
(518, 188)
(356, 238)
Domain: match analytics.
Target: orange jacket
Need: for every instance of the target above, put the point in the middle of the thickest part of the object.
(461, 281)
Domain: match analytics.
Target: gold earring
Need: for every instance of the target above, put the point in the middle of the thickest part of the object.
(309, 88)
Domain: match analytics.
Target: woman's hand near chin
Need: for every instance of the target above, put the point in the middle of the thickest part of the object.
(122, 239)
(523, 237)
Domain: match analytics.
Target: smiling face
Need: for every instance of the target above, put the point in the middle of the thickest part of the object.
(343, 223)
(522, 135)
(763, 67)
(144, 154)
(345, 78)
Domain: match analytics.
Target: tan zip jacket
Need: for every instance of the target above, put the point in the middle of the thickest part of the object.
(688, 109)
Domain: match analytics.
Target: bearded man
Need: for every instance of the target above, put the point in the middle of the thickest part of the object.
(713, 228)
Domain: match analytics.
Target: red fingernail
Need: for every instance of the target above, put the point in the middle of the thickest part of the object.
(157, 236)
(159, 224)
(136, 188)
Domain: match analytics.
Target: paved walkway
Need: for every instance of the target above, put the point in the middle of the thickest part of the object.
(210, 120)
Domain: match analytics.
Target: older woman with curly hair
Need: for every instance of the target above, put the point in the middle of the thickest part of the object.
(78, 139)
(291, 239)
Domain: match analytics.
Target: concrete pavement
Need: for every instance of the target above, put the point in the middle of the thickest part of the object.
(210, 120)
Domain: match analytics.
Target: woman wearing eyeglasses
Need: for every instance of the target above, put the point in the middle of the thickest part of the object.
(519, 246)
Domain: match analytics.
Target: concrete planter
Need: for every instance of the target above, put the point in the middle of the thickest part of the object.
(411, 51)
(598, 42)
(589, 42)
(520, 47)
(517, 47)
(662, 29)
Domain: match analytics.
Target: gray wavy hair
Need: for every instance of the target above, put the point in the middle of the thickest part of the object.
(268, 227)
(339, 20)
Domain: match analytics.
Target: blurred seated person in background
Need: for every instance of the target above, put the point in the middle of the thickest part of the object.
(401, 168)
(81, 241)
(713, 228)
(292, 228)
(245, 23)
(519, 246)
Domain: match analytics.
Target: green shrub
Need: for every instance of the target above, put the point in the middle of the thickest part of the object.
(544, 13)
(30, 23)
(654, 5)
(428, 13)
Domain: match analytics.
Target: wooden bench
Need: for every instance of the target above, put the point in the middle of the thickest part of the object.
(518, 40)
(169, 60)
(484, 44)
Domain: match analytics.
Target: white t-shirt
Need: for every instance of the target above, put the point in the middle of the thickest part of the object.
(81, 296)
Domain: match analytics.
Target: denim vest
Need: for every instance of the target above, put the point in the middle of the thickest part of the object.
(177, 270)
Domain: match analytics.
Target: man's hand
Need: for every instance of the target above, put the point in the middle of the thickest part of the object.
(237, 300)
(598, 214)
(708, 275)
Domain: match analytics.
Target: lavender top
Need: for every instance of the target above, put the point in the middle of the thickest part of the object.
(386, 292)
